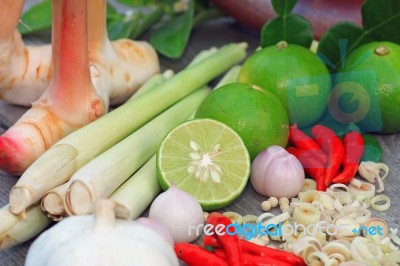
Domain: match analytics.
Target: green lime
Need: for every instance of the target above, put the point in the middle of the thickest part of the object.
(382, 61)
(295, 75)
(256, 115)
(205, 158)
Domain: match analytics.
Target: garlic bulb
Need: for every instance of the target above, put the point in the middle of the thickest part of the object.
(276, 173)
(157, 226)
(101, 240)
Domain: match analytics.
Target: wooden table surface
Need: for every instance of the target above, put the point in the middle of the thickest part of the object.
(215, 33)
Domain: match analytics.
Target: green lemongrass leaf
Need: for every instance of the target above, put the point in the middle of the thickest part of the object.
(283, 7)
(381, 19)
(291, 28)
(171, 38)
(37, 18)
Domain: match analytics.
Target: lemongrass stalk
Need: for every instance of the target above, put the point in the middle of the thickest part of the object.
(84, 144)
(15, 230)
(137, 193)
(231, 76)
(152, 83)
(53, 202)
(158, 79)
(7, 220)
(203, 55)
(104, 174)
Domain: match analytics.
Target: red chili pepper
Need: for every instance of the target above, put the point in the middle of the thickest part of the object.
(301, 140)
(194, 255)
(354, 150)
(312, 166)
(261, 251)
(210, 241)
(229, 242)
(253, 260)
(333, 147)
(273, 253)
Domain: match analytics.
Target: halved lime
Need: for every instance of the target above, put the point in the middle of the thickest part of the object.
(205, 158)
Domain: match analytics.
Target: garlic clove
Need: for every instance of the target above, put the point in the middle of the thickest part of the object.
(158, 227)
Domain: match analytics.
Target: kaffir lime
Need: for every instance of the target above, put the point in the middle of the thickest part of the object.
(295, 75)
(256, 115)
(382, 61)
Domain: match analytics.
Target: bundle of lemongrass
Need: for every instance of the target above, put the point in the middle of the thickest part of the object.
(114, 156)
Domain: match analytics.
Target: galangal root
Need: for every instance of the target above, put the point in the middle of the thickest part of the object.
(72, 84)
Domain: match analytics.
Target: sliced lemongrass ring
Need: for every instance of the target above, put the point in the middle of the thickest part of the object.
(365, 188)
(364, 250)
(393, 236)
(305, 242)
(309, 184)
(346, 199)
(278, 219)
(384, 168)
(379, 199)
(338, 248)
(337, 188)
(263, 217)
(338, 206)
(356, 182)
(347, 226)
(366, 201)
(364, 217)
(327, 201)
(380, 224)
(310, 196)
(367, 171)
(325, 217)
(234, 216)
(355, 203)
(319, 205)
(351, 263)
(320, 256)
(249, 218)
(336, 259)
(306, 215)
(387, 246)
